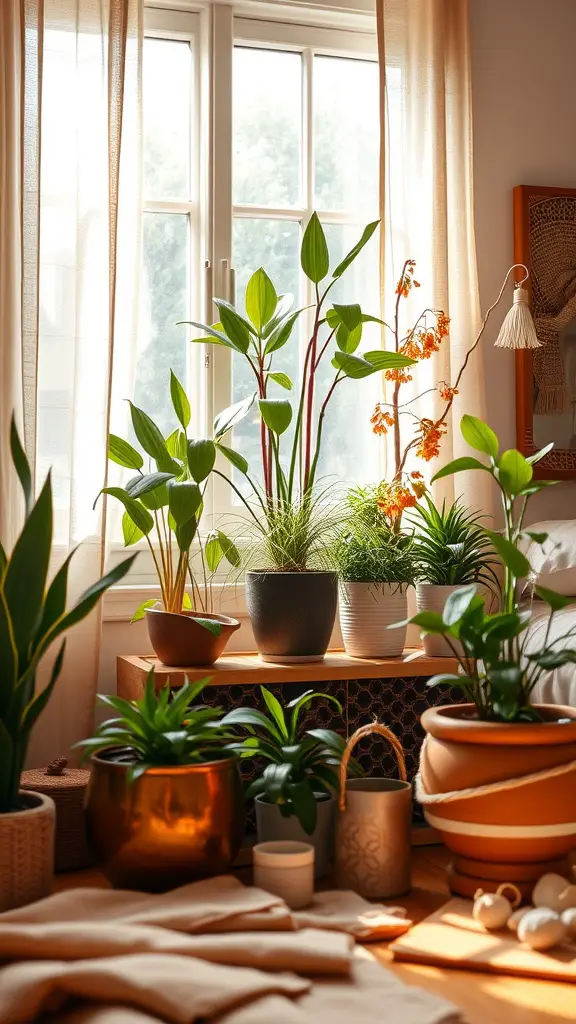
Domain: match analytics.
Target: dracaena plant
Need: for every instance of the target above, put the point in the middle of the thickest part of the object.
(302, 763)
(163, 504)
(451, 546)
(496, 673)
(33, 616)
(289, 468)
(163, 728)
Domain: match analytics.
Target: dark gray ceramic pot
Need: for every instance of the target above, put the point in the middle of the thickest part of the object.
(271, 826)
(292, 613)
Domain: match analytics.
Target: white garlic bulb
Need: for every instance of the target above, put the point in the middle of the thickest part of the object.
(541, 928)
(568, 918)
(491, 909)
(555, 893)
(516, 917)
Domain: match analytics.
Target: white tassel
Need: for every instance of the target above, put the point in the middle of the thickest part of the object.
(518, 329)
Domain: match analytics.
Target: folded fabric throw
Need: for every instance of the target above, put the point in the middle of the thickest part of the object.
(210, 951)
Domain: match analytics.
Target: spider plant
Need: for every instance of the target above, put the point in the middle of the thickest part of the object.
(163, 728)
(302, 763)
(451, 546)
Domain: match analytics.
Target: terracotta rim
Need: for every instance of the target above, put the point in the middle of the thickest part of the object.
(453, 722)
(189, 613)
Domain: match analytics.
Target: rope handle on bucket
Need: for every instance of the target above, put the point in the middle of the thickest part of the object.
(368, 730)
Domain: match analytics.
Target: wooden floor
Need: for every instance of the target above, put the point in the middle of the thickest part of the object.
(482, 998)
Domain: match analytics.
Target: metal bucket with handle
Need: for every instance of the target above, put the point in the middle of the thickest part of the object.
(373, 844)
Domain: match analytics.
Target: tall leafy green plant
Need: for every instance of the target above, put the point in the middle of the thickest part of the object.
(289, 476)
(496, 672)
(33, 616)
(164, 504)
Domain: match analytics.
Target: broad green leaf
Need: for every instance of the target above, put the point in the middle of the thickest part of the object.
(231, 553)
(184, 500)
(537, 485)
(139, 515)
(186, 532)
(275, 709)
(201, 459)
(350, 316)
(131, 533)
(352, 366)
(213, 551)
(141, 609)
(151, 440)
(351, 256)
(283, 307)
(180, 401)
(431, 622)
(214, 336)
(212, 625)
(235, 326)
(314, 257)
(156, 499)
(123, 454)
(176, 444)
(26, 573)
(237, 460)
(276, 777)
(514, 471)
(479, 435)
(348, 340)
(230, 417)
(21, 465)
(304, 803)
(281, 334)
(556, 601)
(550, 659)
(252, 717)
(36, 706)
(261, 299)
(383, 360)
(461, 465)
(277, 414)
(458, 604)
(513, 559)
(540, 454)
(140, 485)
(282, 379)
(186, 601)
(445, 679)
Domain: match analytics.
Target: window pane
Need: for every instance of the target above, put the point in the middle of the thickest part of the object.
(346, 134)
(164, 301)
(349, 448)
(167, 78)
(274, 245)
(267, 127)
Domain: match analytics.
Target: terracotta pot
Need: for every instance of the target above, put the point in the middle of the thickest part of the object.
(292, 613)
(171, 826)
(180, 641)
(523, 822)
(366, 611)
(27, 851)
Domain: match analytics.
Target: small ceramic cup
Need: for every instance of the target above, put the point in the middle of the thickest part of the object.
(286, 869)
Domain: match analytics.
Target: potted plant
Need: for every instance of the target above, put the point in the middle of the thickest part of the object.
(376, 567)
(497, 774)
(165, 803)
(164, 506)
(452, 550)
(33, 616)
(294, 795)
(291, 595)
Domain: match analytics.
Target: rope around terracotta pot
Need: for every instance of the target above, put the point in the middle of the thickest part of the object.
(423, 797)
(369, 730)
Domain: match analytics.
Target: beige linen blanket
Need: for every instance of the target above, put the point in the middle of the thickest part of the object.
(213, 951)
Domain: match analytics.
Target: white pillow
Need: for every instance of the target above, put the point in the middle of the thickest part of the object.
(554, 562)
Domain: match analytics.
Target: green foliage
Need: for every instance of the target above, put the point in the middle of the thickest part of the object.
(291, 432)
(33, 616)
(367, 550)
(496, 673)
(166, 504)
(163, 728)
(451, 547)
(302, 763)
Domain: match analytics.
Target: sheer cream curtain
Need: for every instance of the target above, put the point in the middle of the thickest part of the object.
(86, 264)
(427, 201)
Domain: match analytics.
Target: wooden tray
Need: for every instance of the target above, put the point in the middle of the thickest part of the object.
(452, 938)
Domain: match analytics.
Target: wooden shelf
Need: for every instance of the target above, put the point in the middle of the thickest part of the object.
(247, 667)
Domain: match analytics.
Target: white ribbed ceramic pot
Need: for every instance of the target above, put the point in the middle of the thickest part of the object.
(366, 610)
(431, 597)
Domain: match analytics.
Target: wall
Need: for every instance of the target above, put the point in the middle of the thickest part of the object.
(524, 97)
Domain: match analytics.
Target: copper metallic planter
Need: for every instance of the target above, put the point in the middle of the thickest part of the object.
(171, 826)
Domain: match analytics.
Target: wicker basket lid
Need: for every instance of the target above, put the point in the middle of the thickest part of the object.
(55, 777)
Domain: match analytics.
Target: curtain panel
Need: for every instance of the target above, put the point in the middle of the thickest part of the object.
(70, 209)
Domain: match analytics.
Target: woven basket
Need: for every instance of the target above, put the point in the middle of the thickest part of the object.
(27, 852)
(67, 788)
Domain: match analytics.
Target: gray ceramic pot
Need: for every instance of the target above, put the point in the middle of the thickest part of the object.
(292, 613)
(272, 826)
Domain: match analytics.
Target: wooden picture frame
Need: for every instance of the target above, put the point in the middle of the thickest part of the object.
(545, 241)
